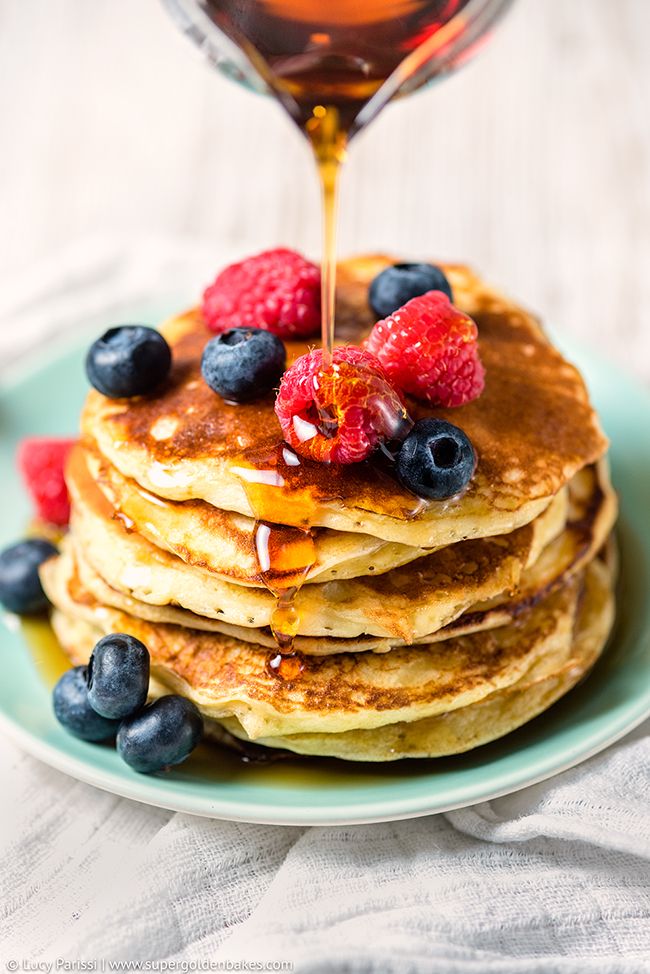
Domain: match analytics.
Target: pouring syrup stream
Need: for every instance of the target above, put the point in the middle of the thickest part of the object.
(329, 144)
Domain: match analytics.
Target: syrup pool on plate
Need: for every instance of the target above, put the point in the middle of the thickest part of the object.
(49, 659)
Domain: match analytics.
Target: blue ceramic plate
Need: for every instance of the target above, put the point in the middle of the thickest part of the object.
(45, 397)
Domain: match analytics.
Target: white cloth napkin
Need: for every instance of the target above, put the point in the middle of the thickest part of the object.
(555, 878)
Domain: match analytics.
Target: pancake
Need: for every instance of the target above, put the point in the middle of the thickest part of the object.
(548, 679)
(226, 543)
(592, 512)
(335, 694)
(406, 604)
(185, 443)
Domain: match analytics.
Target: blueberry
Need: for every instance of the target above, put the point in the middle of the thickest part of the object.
(436, 460)
(162, 734)
(73, 711)
(20, 586)
(396, 285)
(130, 360)
(243, 363)
(118, 676)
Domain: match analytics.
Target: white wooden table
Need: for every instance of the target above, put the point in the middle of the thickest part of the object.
(533, 163)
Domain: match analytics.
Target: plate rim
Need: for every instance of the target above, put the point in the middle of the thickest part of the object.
(232, 811)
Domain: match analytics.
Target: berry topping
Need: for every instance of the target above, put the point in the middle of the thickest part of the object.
(118, 676)
(73, 711)
(341, 413)
(162, 734)
(436, 459)
(277, 291)
(41, 461)
(130, 360)
(430, 349)
(20, 585)
(396, 285)
(243, 363)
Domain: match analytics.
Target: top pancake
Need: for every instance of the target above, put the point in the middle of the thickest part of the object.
(532, 429)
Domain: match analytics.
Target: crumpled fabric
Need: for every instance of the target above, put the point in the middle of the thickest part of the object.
(555, 878)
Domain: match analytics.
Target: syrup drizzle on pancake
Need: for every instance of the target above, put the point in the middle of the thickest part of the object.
(272, 557)
(282, 553)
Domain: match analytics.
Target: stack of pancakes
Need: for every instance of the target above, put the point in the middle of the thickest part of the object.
(422, 628)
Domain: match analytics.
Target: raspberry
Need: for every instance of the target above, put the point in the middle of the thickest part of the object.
(338, 414)
(277, 291)
(429, 349)
(41, 461)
